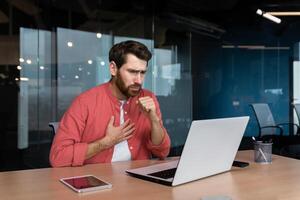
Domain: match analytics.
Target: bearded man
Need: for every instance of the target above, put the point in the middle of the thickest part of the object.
(115, 121)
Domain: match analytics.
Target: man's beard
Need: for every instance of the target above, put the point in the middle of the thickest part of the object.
(130, 91)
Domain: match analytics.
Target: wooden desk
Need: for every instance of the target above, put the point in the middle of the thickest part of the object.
(279, 180)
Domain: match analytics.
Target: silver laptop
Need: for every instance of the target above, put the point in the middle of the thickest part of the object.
(210, 149)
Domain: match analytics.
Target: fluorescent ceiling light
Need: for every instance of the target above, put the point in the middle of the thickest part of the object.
(24, 79)
(255, 47)
(268, 16)
(272, 18)
(228, 46)
(251, 46)
(259, 12)
(288, 13)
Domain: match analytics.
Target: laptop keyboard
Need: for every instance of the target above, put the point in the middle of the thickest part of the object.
(165, 174)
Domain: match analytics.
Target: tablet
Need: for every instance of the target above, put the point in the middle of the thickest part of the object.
(86, 183)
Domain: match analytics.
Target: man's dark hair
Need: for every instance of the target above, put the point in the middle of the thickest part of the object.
(119, 52)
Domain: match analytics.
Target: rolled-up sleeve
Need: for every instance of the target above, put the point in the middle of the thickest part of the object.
(162, 150)
(67, 148)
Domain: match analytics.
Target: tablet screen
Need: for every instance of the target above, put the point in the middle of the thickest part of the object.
(85, 182)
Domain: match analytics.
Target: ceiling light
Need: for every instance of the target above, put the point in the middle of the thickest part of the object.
(24, 79)
(228, 46)
(268, 16)
(99, 35)
(70, 44)
(259, 12)
(255, 47)
(288, 13)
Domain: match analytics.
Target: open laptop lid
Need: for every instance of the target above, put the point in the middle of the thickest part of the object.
(210, 148)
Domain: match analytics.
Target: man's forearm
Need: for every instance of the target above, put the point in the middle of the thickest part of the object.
(157, 132)
(96, 147)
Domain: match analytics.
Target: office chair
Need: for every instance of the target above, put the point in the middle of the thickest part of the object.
(269, 130)
(297, 109)
(266, 122)
(54, 126)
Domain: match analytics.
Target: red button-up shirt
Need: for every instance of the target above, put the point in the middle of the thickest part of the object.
(86, 120)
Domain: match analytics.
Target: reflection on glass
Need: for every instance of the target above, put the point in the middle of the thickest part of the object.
(35, 105)
(79, 68)
(173, 87)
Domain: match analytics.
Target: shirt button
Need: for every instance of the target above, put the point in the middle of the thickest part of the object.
(125, 113)
(131, 147)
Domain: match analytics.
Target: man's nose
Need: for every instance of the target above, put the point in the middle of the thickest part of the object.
(138, 78)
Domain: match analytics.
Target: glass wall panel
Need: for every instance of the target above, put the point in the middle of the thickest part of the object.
(34, 102)
(232, 76)
(82, 63)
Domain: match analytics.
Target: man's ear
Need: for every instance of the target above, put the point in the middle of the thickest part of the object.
(113, 68)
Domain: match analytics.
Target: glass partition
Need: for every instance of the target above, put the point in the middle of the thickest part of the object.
(82, 63)
(35, 86)
(55, 67)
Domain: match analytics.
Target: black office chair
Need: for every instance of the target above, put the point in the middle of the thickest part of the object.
(266, 122)
(54, 126)
(297, 109)
(269, 130)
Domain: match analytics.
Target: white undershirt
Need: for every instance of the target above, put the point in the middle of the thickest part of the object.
(121, 150)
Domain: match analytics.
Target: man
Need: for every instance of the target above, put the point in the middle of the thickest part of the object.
(115, 121)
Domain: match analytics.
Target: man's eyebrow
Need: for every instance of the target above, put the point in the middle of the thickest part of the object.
(133, 70)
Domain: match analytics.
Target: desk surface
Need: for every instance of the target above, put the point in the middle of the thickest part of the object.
(279, 180)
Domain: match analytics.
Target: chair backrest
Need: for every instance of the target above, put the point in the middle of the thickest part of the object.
(264, 118)
(54, 126)
(297, 109)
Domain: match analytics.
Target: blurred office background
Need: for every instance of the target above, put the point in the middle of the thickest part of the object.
(211, 59)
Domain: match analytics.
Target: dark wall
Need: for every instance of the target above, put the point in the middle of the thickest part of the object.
(227, 80)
